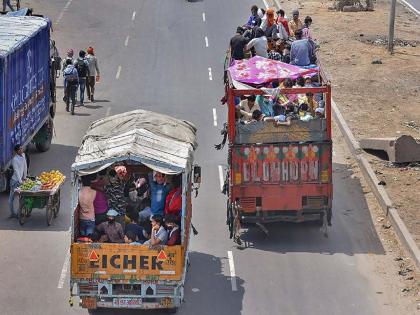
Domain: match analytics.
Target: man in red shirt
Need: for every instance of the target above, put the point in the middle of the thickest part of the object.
(173, 204)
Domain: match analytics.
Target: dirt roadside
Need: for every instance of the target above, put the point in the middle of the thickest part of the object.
(377, 100)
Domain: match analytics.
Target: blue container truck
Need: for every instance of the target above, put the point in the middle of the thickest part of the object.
(27, 87)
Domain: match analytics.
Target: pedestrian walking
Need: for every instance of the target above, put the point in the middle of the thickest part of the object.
(94, 73)
(7, 3)
(71, 80)
(69, 56)
(83, 72)
(20, 171)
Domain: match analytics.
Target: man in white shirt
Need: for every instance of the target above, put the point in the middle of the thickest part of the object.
(20, 171)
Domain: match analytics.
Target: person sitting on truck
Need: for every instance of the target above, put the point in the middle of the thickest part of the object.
(237, 44)
(319, 112)
(259, 43)
(257, 115)
(295, 24)
(130, 238)
(265, 104)
(280, 117)
(304, 113)
(312, 103)
(111, 231)
(306, 30)
(20, 171)
(282, 20)
(71, 80)
(302, 51)
(173, 203)
(172, 227)
(247, 106)
(158, 236)
(277, 52)
(87, 196)
(134, 227)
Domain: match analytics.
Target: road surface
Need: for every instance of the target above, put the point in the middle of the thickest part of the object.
(167, 56)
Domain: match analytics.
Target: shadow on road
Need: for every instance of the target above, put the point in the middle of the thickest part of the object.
(207, 291)
(53, 159)
(352, 230)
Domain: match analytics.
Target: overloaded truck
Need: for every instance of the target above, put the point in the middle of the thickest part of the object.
(27, 87)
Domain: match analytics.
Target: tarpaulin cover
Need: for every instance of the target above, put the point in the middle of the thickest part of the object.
(161, 142)
(259, 70)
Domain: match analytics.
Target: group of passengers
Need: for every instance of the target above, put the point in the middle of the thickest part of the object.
(274, 37)
(281, 108)
(117, 208)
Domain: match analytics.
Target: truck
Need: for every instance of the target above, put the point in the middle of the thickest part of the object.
(27, 87)
(277, 172)
(118, 275)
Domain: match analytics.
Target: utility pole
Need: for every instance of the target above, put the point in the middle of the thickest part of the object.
(391, 27)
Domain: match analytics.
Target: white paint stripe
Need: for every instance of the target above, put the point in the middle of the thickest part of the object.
(221, 181)
(210, 75)
(63, 11)
(214, 117)
(64, 270)
(126, 40)
(108, 111)
(265, 3)
(409, 6)
(134, 16)
(117, 76)
(207, 41)
(232, 271)
(204, 17)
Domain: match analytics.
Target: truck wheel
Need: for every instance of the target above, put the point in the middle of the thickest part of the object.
(46, 134)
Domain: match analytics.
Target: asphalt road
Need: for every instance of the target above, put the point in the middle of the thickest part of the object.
(157, 58)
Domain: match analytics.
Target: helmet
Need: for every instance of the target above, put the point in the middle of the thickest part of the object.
(70, 52)
(90, 50)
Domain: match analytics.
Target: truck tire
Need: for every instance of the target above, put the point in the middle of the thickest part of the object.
(45, 136)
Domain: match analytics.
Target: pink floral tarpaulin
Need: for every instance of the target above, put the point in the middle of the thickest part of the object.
(259, 70)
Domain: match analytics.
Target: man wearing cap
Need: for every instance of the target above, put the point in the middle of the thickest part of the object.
(94, 73)
(158, 236)
(112, 232)
(295, 24)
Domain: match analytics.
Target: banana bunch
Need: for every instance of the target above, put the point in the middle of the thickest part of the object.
(50, 179)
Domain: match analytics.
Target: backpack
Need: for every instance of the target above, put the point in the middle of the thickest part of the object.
(70, 74)
(82, 68)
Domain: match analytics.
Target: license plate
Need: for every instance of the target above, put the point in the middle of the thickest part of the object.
(127, 303)
(89, 302)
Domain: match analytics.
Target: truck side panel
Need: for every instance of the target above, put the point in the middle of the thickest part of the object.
(24, 94)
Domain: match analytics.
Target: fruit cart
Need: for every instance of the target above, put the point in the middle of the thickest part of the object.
(48, 199)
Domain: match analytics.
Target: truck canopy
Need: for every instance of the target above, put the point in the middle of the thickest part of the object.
(161, 142)
(17, 30)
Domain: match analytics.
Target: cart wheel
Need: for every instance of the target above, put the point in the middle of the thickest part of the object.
(57, 204)
(49, 210)
(23, 211)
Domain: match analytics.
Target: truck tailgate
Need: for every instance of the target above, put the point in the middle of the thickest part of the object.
(124, 262)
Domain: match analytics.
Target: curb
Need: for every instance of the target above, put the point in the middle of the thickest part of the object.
(379, 191)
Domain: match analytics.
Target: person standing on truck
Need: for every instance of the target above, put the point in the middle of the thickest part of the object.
(115, 193)
(174, 237)
(87, 197)
(173, 203)
(259, 43)
(7, 2)
(281, 20)
(237, 44)
(94, 73)
(302, 51)
(20, 171)
(82, 67)
(254, 19)
(71, 80)
(159, 191)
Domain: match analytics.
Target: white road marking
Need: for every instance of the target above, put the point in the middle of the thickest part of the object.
(64, 270)
(204, 17)
(134, 16)
(63, 11)
(195, 290)
(108, 111)
(126, 40)
(117, 76)
(232, 271)
(206, 40)
(214, 117)
(221, 180)
(210, 75)
(265, 3)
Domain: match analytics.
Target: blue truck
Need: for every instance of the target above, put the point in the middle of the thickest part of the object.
(27, 87)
